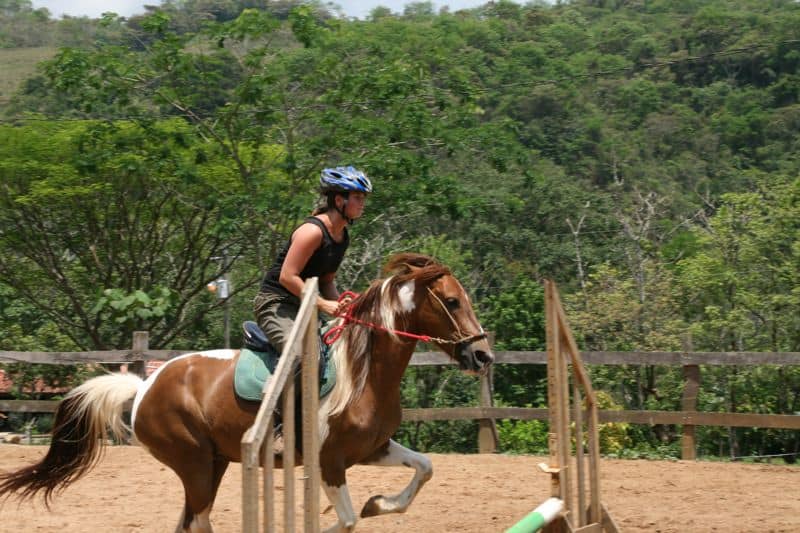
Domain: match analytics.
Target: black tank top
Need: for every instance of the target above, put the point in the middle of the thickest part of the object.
(325, 260)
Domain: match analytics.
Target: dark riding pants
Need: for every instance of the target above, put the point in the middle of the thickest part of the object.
(275, 314)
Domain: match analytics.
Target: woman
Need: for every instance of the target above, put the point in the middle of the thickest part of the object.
(316, 248)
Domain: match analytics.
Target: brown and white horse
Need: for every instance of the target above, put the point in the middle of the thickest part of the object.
(187, 415)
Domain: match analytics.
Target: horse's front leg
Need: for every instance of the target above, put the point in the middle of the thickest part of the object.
(339, 496)
(394, 454)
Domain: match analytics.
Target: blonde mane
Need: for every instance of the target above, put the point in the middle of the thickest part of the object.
(380, 304)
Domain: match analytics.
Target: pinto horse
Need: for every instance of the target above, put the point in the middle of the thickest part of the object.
(187, 415)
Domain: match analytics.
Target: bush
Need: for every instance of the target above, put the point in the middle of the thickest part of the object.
(523, 436)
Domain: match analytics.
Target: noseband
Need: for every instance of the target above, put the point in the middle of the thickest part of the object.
(333, 334)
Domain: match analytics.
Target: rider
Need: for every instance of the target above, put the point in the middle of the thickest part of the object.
(316, 248)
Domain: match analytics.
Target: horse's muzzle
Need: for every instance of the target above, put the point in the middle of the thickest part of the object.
(475, 356)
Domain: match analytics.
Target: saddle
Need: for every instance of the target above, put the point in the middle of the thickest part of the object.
(255, 339)
(258, 359)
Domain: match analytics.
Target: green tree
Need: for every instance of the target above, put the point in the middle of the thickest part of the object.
(92, 207)
(742, 288)
(516, 318)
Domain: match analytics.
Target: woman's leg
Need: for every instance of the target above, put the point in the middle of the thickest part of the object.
(275, 316)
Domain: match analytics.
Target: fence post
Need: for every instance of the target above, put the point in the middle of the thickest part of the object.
(691, 387)
(311, 438)
(487, 428)
(280, 387)
(141, 343)
(691, 375)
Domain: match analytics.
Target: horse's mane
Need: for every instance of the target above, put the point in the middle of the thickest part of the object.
(379, 304)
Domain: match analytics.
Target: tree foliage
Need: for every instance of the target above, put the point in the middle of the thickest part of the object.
(641, 154)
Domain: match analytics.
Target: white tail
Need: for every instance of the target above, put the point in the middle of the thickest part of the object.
(79, 432)
(100, 402)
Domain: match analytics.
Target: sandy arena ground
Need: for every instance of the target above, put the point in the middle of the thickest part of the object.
(130, 492)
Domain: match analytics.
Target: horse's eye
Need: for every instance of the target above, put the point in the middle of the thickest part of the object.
(452, 303)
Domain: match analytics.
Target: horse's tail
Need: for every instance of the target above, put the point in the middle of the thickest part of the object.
(82, 420)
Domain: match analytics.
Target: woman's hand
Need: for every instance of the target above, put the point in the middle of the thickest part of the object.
(343, 305)
(329, 307)
(333, 307)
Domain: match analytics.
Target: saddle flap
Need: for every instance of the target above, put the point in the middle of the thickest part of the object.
(254, 338)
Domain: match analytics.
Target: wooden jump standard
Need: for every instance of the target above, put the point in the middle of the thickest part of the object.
(257, 442)
(579, 515)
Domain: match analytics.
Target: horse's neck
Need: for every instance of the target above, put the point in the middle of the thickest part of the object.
(388, 363)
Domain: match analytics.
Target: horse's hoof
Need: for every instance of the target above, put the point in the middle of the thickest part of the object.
(339, 528)
(372, 508)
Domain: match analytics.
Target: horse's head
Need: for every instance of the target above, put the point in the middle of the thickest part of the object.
(446, 315)
(443, 311)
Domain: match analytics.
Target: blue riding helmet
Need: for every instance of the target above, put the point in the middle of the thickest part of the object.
(344, 179)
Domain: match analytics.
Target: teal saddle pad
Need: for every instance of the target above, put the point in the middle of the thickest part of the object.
(253, 369)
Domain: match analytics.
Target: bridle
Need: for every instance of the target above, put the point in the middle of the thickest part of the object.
(465, 339)
(333, 334)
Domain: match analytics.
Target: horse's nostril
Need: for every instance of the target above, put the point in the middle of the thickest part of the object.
(485, 358)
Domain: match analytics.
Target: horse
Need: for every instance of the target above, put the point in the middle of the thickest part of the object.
(187, 415)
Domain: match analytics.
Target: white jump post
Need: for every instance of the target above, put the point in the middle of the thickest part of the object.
(257, 442)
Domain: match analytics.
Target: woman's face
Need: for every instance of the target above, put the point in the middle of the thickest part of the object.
(355, 205)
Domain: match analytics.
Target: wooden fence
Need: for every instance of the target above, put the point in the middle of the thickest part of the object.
(301, 349)
(688, 416)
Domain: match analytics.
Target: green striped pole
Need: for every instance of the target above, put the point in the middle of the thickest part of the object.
(542, 515)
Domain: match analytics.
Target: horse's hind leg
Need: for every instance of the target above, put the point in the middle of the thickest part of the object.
(190, 454)
(201, 480)
(393, 454)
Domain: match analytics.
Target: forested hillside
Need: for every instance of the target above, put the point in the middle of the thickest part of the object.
(644, 154)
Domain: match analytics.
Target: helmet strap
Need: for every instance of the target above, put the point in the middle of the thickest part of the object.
(342, 210)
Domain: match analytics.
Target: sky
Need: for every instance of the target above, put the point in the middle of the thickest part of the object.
(126, 8)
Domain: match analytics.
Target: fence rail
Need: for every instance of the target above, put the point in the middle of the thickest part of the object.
(486, 413)
(438, 358)
(694, 418)
(631, 358)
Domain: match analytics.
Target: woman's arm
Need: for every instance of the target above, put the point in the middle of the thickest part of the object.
(327, 287)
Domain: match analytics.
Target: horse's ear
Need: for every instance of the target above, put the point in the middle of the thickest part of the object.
(408, 263)
(410, 269)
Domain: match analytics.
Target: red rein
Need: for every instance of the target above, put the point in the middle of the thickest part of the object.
(333, 334)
